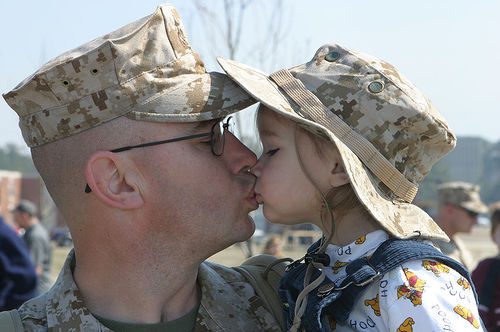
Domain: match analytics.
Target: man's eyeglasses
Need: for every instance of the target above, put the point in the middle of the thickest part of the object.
(217, 139)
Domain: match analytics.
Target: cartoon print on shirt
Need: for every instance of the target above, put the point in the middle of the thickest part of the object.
(374, 304)
(337, 266)
(360, 240)
(425, 301)
(414, 290)
(467, 315)
(463, 282)
(435, 267)
(406, 326)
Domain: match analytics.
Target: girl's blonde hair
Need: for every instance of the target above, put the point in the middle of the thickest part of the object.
(341, 199)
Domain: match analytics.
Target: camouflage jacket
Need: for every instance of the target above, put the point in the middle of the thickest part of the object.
(228, 303)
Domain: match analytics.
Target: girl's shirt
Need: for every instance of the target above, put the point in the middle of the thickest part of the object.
(419, 295)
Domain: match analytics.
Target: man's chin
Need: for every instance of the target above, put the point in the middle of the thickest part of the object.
(249, 228)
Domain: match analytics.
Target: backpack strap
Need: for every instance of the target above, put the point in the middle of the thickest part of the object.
(264, 273)
(390, 254)
(10, 321)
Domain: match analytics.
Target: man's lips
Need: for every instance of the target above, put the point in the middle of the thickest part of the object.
(258, 198)
(252, 200)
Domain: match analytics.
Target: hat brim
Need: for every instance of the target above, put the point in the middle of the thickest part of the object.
(400, 219)
(475, 206)
(187, 104)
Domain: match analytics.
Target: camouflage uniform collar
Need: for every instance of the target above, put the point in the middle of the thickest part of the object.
(64, 305)
(222, 307)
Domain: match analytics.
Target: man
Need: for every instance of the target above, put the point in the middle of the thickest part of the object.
(17, 274)
(459, 207)
(126, 133)
(37, 240)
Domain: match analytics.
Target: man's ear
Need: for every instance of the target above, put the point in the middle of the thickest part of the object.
(338, 176)
(114, 180)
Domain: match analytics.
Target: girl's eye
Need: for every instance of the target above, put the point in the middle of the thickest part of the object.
(272, 152)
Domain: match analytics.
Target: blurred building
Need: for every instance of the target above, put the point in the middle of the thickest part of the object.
(10, 193)
(15, 186)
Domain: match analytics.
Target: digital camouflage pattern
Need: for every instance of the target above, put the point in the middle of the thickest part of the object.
(462, 194)
(145, 70)
(382, 110)
(228, 303)
(457, 250)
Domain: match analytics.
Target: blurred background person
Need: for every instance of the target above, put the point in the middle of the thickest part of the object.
(458, 210)
(273, 246)
(17, 274)
(37, 240)
(487, 281)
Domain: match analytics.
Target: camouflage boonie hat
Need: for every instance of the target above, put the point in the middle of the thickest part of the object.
(145, 70)
(463, 194)
(387, 133)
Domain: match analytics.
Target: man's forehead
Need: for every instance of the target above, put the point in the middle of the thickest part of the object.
(205, 124)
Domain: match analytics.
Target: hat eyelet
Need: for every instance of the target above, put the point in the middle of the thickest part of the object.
(376, 87)
(94, 71)
(332, 56)
(65, 82)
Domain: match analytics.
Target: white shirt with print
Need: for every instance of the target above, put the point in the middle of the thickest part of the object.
(419, 295)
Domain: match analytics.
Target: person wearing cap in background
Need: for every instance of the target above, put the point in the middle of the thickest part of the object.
(459, 207)
(37, 240)
(127, 132)
(486, 277)
(18, 279)
(346, 140)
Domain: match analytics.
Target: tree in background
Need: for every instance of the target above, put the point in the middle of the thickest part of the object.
(223, 26)
(225, 36)
(12, 159)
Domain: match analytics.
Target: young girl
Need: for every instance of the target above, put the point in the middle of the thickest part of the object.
(346, 140)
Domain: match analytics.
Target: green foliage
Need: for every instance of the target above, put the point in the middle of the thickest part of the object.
(12, 159)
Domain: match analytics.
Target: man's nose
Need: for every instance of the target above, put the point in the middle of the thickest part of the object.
(256, 168)
(237, 155)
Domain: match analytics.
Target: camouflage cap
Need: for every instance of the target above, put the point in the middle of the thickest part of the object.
(145, 70)
(388, 134)
(463, 194)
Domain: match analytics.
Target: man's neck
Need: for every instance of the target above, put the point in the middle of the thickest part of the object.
(136, 292)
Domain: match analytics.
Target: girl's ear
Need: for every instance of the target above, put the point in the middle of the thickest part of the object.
(338, 176)
(113, 180)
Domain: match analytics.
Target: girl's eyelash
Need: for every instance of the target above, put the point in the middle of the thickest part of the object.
(272, 152)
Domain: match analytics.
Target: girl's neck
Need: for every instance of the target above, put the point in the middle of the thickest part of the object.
(352, 226)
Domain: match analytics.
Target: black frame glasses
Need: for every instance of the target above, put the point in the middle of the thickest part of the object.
(217, 141)
(470, 213)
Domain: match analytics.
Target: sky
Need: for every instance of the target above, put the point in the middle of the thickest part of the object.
(450, 49)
